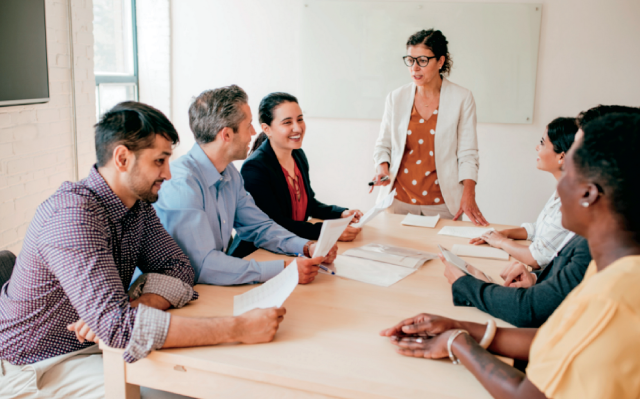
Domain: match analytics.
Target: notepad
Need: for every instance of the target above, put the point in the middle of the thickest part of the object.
(421, 220)
(377, 209)
(402, 256)
(272, 293)
(329, 234)
(367, 271)
(479, 252)
(468, 232)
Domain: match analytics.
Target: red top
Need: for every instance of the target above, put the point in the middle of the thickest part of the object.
(298, 194)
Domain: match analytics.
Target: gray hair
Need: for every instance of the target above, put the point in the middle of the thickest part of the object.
(214, 110)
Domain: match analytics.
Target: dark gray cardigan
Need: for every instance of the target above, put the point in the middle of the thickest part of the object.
(528, 307)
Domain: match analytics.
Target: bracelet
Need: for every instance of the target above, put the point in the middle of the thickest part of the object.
(305, 249)
(489, 334)
(453, 337)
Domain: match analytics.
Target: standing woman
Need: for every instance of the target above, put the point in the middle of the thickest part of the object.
(428, 146)
(277, 175)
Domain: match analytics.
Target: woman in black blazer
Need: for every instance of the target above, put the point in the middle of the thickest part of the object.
(277, 175)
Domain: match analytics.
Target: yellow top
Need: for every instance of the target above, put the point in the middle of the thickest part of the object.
(590, 346)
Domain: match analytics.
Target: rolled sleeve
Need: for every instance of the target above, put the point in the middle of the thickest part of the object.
(149, 333)
(174, 290)
(531, 230)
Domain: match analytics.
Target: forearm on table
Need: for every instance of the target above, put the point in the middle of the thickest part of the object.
(515, 233)
(500, 379)
(507, 342)
(191, 332)
(519, 252)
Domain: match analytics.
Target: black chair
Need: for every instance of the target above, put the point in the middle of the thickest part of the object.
(7, 261)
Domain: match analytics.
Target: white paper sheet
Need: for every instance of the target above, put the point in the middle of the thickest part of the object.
(468, 232)
(272, 293)
(329, 234)
(402, 256)
(367, 271)
(421, 220)
(377, 209)
(479, 252)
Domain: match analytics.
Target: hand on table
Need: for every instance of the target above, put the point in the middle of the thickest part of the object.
(516, 274)
(422, 325)
(469, 207)
(349, 234)
(331, 255)
(83, 332)
(357, 216)
(492, 238)
(259, 325)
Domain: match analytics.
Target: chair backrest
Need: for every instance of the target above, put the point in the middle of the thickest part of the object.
(7, 261)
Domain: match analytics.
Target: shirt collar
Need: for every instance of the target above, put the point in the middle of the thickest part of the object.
(115, 207)
(211, 175)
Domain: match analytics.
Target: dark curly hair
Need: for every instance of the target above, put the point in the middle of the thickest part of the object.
(561, 132)
(608, 156)
(435, 41)
(601, 110)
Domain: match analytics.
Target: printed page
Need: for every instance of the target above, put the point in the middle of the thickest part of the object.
(377, 209)
(468, 232)
(329, 235)
(479, 252)
(402, 256)
(272, 293)
(421, 220)
(367, 271)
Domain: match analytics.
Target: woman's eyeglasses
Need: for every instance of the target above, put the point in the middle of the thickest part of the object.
(423, 61)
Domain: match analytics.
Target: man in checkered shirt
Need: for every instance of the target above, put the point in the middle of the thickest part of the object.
(68, 289)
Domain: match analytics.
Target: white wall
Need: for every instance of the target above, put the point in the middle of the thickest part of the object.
(36, 141)
(589, 53)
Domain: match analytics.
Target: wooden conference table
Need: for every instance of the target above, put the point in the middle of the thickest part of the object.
(328, 344)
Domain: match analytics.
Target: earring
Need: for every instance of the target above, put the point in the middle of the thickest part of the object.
(585, 204)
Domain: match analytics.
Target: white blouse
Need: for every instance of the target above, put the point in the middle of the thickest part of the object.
(547, 233)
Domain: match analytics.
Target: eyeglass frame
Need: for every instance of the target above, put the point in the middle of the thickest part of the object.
(416, 59)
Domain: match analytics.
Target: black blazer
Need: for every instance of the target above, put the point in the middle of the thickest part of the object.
(528, 307)
(264, 179)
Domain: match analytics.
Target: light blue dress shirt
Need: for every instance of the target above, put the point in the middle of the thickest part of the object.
(199, 207)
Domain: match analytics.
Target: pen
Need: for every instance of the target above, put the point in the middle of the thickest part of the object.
(383, 179)
(322, 267)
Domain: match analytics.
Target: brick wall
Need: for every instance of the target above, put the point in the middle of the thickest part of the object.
(36, 141)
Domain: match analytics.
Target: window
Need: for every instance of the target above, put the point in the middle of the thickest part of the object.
(115, 53)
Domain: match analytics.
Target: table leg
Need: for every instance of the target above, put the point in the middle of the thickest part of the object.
(115, 384)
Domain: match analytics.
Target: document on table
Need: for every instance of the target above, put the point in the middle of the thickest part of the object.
(479, 252)
(401, 256)
(367, 271)
(272, 293)
(377, 209)
(468, 232)
(329, 234)
(421, 220)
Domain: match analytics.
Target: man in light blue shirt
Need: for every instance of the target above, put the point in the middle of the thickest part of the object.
(205, 199)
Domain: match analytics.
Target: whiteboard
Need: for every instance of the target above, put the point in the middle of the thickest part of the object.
(351, 54)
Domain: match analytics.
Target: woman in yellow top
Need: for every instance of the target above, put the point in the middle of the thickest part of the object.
(589, 346)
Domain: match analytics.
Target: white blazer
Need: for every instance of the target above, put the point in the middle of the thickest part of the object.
(456, 140)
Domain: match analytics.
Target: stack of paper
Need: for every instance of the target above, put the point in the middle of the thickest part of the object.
(479, 252)
(367, 271)
(401, 256)
(329, 235)
(419, 220)
(272, 293)
(468, 232)
(377, 209)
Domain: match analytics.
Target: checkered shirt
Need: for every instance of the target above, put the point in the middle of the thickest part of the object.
(78, 257)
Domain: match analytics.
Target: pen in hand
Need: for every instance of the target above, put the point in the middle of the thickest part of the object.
(383, 179)
(322, 267)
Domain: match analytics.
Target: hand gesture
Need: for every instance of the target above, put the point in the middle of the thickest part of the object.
(83, 332)
(516, 274)
(422, 325)
(259, 325)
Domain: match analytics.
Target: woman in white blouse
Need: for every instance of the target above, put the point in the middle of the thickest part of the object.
(428, 146)
(547, 234)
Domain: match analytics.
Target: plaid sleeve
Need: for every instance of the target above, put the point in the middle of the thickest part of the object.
(149, 333)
